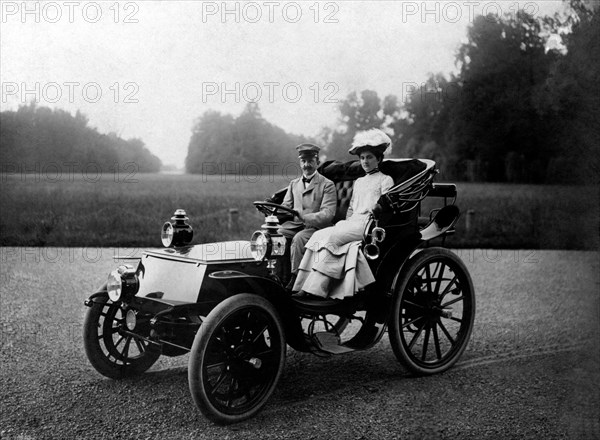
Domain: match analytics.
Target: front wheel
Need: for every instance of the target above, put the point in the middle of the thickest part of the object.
(433, 312)
(237, 358)
(111, 347)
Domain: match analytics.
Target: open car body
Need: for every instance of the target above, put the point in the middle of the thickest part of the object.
(233, 313)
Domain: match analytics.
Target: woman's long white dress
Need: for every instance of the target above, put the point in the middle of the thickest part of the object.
(333, 265)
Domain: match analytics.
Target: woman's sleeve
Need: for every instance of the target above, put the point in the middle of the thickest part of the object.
(386, 184)
(356, 187)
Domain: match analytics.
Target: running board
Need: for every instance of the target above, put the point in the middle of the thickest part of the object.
(330, 343)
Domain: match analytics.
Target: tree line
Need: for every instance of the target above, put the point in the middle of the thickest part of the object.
(247, 144)
(523, 108)
(35, 138)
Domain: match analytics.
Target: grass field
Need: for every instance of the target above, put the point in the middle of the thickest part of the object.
(130, 212)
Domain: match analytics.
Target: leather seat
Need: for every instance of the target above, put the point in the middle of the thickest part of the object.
(344, 196)
(343, 174)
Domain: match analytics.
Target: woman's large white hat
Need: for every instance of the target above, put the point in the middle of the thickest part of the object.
(373, 139)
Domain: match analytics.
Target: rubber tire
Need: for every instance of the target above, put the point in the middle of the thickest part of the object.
(412, 267)
(217, 318)
(99, 357)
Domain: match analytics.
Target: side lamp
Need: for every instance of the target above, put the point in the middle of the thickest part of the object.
(177, 232)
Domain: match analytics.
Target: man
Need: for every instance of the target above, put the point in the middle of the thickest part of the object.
(314, 198)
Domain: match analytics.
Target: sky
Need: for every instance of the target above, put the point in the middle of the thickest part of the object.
(150, 69)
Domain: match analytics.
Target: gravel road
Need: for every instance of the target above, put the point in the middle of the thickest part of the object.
(532, 369)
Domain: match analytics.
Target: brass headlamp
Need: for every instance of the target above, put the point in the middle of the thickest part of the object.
(267, 243)
(123, 283)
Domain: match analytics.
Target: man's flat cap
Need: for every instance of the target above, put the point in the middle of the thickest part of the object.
(307, 150)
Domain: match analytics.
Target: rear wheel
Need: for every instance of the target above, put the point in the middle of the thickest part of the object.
(433, 312)
(237, 358)
(113, 349)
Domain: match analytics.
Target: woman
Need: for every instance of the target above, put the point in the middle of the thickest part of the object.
(333, 265)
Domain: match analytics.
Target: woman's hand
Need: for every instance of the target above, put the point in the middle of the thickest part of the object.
(376, 211)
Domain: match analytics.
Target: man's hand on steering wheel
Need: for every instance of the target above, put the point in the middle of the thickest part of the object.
(270, 208)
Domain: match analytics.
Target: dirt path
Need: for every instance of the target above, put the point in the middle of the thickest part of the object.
(532, 369)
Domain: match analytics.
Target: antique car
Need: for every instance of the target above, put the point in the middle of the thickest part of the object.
(227, 305)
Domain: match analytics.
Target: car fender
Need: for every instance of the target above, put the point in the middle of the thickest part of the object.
(239, 282)
(100, 292)
(250, 283)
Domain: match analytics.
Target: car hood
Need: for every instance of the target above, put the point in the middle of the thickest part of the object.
(207, 253)
(181, 274)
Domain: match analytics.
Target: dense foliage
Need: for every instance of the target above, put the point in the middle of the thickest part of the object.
(246, 145)
(54, 142)
(523, 108)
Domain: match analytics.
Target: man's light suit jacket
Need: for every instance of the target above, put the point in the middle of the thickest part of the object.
(317, 203)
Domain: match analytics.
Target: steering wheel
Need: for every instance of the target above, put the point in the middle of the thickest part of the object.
(270, 208)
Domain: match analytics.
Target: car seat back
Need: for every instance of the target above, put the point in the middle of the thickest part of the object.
(343, 174)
